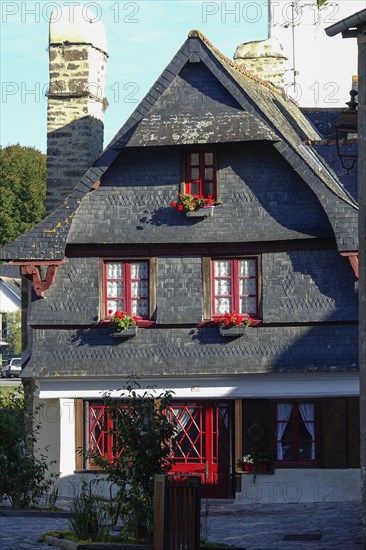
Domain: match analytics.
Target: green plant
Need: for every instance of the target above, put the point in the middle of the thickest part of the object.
(88, 515)
(141, 436)
(122, 321)
(187, 202)
(233, 320)
(256, 458)
(24, 476)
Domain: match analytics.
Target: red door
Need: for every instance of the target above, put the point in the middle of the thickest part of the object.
(203, 444)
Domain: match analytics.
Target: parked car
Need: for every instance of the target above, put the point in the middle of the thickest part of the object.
(12, 369)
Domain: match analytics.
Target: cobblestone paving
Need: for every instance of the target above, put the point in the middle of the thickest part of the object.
(255, 527)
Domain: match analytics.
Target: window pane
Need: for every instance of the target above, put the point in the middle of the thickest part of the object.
(139, 270)
(195, 174)
(222, 305)
(305, 451)
(115, 305)
(140, 308)
(208, 189)
(248, 286)
(208, 173)
(248, 305)
(114, 289)
(139, 289)
(195, 188)
(208, 158)
(222, 268)
(195, 159)
(114, 270)
(247, 268)
(223, 287)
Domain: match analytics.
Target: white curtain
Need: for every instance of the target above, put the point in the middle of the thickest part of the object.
(283, 415)
(307, 413)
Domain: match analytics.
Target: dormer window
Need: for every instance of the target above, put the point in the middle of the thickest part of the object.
(200, 173)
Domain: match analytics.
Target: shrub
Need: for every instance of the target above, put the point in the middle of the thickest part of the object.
(24, 477)
(141, 448)
(88, 515)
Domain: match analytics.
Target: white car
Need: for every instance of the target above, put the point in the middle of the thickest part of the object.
(12, 369)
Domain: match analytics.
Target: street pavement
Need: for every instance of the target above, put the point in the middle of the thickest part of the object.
(331, 526)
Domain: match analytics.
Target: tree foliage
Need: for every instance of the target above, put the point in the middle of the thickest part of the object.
(142, 435)
(22, 190)
(13, 323)
(24, 478)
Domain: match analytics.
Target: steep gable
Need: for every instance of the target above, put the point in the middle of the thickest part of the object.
(263, 111)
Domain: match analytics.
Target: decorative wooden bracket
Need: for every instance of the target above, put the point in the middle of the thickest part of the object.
(353, 260)
(39, 285)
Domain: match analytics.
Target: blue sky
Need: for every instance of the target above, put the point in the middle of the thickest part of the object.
(143, 36)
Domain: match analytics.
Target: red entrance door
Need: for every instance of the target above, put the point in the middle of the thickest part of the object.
(203, 444)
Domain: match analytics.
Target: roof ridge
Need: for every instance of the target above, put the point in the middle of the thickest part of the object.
(194, 33)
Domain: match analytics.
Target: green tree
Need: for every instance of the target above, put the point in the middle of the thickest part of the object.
(22, 190)
(13, 325)
(141, 435)
(24, 478)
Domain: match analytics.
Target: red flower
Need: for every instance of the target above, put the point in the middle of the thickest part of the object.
(110, 311)
(173, 204)
(180, 207)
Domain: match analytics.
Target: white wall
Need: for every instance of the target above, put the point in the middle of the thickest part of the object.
(300, 485)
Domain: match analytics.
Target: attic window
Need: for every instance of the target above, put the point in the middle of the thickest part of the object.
(200, 173)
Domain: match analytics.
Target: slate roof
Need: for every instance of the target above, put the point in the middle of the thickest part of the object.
(13, 284)
(269, 108)
(94, 352)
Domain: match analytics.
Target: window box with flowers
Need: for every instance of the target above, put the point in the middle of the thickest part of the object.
(234, 324)
(256, 462)
(194, 206)
(124, 325)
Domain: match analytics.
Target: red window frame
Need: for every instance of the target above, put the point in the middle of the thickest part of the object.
(201, 185)
(126, 297)
(235, 286)
(295, 440)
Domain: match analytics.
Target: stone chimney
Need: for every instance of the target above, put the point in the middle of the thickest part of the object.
(264, 58)
(76, 99)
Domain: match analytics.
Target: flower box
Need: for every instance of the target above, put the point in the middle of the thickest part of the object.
(127, 333)
(203, 212)
(233, 331)
(259, 469)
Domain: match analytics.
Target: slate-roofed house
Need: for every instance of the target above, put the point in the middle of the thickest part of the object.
(280, 246)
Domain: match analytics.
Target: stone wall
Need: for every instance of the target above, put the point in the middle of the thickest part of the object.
(76, 104)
